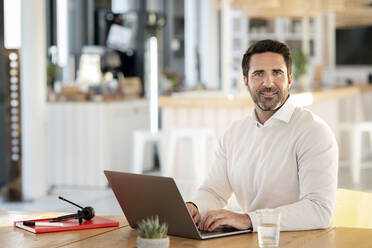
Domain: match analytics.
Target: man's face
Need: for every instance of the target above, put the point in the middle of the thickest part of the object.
(268, 82)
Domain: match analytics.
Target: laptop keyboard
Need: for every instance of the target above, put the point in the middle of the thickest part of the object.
(218, 231)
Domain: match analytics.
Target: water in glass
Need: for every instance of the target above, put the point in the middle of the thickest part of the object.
(268, 235)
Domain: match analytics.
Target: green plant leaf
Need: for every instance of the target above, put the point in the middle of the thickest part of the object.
(300, 62)
(152, 229)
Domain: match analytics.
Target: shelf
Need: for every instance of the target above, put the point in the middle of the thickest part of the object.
(285, 36)
(262, 36)
(246, 31)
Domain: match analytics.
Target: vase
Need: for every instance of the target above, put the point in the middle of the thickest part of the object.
(153, 243)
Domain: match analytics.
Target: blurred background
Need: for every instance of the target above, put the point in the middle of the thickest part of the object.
(149, 86)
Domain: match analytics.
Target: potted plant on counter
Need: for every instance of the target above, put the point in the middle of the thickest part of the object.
(301, 62)
(152, 234)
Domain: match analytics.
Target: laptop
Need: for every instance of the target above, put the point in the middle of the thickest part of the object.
(143, 196)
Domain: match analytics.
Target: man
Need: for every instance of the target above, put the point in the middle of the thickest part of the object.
(280, 156)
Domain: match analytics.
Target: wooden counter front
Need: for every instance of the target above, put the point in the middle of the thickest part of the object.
(244, 100)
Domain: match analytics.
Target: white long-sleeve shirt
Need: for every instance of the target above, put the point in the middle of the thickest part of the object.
(289, 163)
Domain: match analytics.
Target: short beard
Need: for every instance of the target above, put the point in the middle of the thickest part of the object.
(281, 98)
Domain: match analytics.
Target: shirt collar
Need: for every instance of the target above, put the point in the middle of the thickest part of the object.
(286, 111)
(283, 114)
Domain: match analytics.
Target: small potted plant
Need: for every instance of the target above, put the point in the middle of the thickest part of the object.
(152, 234)
(300, 62)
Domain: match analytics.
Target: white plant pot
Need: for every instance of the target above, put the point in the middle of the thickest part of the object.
(153, 243)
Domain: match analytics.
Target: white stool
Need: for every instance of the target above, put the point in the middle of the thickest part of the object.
(199, 138)
(355, 130)
(140, 139)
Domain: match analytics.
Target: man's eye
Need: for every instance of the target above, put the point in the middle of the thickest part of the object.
(277, 73)
(258, 74)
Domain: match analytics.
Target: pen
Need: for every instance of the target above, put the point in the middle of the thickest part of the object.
(42, 223)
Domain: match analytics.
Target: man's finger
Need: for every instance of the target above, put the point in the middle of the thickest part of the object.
(213, 216)
(209, 220)
(196, 217)
(205, 219)
(201, 224)
(219, 223)
(193, 212)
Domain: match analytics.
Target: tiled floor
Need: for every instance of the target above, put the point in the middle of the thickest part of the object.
(104, 202)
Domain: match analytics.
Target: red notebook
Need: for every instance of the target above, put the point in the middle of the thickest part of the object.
(68, 225)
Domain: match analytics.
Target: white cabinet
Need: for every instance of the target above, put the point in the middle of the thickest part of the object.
(85, 138)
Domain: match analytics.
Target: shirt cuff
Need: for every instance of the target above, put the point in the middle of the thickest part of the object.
(253, 217)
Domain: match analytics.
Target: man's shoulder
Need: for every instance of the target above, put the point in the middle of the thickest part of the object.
(311, 123)
(306, 116)
(313, 135)
(241, 123)
(237, 127)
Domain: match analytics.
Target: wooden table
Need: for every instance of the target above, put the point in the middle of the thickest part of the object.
(124, 236)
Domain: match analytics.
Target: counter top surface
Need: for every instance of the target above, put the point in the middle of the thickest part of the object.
(218, 99)
(124, 236)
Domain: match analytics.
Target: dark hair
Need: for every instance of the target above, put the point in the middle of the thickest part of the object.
(263, 46)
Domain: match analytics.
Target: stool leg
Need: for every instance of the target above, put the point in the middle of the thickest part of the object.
(199, 161)
(138, 153)
(204, 159)
(168, 167)
(356, 154)
(195, 158)
(159, 145)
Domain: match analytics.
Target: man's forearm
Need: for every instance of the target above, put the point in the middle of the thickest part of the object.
(306, 214)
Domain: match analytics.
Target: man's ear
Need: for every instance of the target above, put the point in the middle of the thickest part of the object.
(290, 80)
(245, 80)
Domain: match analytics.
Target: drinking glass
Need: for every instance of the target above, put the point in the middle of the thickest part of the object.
(268, 227)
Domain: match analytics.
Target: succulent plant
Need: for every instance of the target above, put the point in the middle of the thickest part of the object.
(150, 228)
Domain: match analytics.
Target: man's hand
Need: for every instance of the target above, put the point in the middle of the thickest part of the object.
(225, 218)
(194, 212)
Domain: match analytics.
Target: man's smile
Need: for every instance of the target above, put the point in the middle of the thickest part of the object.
(268, 94)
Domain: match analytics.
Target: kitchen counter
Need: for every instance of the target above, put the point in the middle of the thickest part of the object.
(217, 99)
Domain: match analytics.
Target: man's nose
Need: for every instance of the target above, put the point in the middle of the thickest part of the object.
(268, 81)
